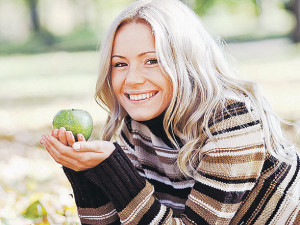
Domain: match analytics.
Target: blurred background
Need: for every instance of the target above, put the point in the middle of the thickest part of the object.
(49, 60)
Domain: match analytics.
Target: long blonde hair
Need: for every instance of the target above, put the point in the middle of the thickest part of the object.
(198, 70)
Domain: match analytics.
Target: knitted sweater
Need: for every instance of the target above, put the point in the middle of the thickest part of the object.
(237, 181)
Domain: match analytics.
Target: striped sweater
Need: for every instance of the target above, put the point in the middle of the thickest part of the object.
(237, 181)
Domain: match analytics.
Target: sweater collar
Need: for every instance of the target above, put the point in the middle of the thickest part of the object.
(156, 127)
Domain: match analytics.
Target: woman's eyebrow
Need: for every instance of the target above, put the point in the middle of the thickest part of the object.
(139, 55)
(144, 53)
(119, 56)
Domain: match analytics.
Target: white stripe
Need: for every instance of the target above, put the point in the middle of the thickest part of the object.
(246, 186)
(211, 209)
(137, 135)
(237, 153)
(137, 209)
(167, 155)
(165, 180)
(127, 146)
(175, 205)
(235, 141)
(160, 214)
(178, 221)
(102, 217)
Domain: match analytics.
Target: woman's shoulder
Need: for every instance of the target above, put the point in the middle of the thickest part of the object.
(235, 112)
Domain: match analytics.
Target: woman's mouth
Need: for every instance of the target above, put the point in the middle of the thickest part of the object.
(138, 97)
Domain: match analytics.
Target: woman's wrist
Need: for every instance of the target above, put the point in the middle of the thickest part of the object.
(117, 178)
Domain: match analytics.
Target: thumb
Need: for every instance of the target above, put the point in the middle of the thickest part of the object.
(84, 146)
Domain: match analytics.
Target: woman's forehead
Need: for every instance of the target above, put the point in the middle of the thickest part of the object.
(134, 37)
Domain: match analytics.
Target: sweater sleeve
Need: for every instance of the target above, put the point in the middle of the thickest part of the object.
(230, 165)
(93, 206)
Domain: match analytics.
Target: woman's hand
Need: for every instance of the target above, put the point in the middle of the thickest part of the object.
(66, 137)
(79, 155)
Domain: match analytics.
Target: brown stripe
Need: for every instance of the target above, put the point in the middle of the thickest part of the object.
(236, 148)
(265, 215)
(177, 221)
(242, 170)
(206, 214)
(235, 159)
(270, 189)
(127, 133)
(169, 218)
(251, 198)
(256, 129)
(152, 151)
(140, 133)
(187, 220)
(297, 220)
(90, 212)
(229, 208)
(134, 214)
(169, 197)
(234, 120)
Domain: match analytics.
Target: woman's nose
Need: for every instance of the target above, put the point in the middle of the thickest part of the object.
(134, 76)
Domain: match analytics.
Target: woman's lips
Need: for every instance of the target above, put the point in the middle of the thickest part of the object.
(143, 96)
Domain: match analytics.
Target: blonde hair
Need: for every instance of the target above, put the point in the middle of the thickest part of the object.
(198, 70)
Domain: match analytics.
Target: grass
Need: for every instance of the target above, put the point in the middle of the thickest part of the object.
(81, 39)
(34, 87)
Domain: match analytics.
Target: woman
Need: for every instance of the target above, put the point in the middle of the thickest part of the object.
(196, 146)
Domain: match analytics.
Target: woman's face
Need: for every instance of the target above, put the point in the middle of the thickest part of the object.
(137, 80)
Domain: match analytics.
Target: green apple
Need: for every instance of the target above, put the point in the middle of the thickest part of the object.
(76, 120)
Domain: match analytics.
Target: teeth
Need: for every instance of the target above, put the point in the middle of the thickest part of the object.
(140, 97)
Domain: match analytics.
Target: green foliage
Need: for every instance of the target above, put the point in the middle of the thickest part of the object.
(81, 39)
(202, 7)
(35, 211)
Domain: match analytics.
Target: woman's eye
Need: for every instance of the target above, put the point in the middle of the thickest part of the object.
(119, 64)
(151, 62)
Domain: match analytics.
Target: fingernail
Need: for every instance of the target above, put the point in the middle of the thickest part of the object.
(76, 146)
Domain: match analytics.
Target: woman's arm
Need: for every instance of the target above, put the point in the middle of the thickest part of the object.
(92, 204)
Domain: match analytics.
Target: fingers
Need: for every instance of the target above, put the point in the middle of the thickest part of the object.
(60, 153)
(54, 145)
(70, 138)
(93, 146)
(80, 137)
(89, 154)
(62, 136)
(55, 133)
(65, 137)
(54, 154)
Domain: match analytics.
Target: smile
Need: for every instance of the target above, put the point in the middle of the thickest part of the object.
(138, 97)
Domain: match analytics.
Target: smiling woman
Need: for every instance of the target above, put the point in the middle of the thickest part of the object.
(196, 144)
(137, 79)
